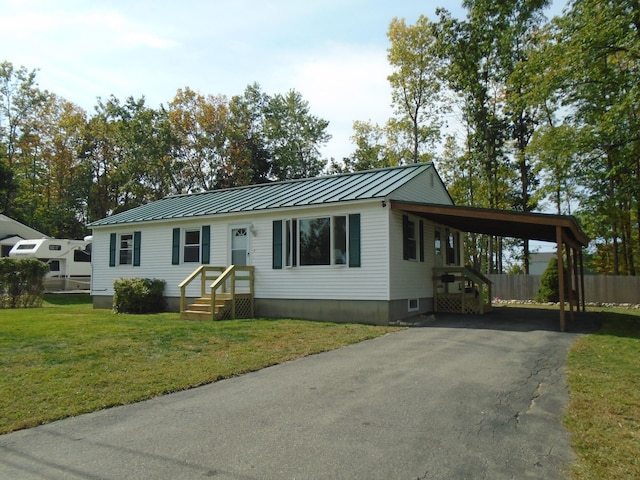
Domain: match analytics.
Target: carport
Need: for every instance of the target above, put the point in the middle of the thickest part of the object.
(563, 230)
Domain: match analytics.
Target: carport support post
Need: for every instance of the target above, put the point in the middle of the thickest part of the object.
(582, 280)
(576, 278)
(570, 279)
(560, 243)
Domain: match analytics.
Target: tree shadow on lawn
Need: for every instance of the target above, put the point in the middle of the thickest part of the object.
(67, 298)
(516, 319)
(620, 324)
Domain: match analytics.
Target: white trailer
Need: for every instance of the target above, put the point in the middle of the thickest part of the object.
(69, 261)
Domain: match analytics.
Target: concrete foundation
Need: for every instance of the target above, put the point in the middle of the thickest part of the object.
(372, 312)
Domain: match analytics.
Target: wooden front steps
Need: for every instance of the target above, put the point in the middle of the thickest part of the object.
(231, 289)
(200, 309)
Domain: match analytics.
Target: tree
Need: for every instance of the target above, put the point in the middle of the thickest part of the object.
(415, 84)
(549, 290)
(481, 53)
(127, 148)
(60, 193)
(295, 137)
(593, 73)
(372, 149)
(7, 185)
(20, 102)
(200, 125)
(249, 155)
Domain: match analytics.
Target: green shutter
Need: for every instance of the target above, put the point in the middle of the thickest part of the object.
(175, 249)
(277, 244)
(113, 238)
(421, 241)
(354, 240)
(136, 248)
(405, 237)
(205, 244)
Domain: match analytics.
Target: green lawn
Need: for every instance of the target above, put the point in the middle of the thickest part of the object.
(604, 409)
(67, 358)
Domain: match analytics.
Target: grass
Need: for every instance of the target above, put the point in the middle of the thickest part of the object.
(66, 358)
(603, 415)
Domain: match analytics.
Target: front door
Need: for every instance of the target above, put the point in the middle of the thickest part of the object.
(240, 246)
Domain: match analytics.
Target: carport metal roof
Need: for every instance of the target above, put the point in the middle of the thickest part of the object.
(559, 229)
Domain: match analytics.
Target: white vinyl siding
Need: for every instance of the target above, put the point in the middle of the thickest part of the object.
(368, 282)
(339, 282)
(426, 187)
(410, 278)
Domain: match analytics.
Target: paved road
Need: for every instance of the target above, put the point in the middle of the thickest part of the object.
(462, 398)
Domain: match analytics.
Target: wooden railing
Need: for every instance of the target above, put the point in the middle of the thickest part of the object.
(225, 283)
(461, 290)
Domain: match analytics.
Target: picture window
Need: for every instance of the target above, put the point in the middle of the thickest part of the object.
(316, 241)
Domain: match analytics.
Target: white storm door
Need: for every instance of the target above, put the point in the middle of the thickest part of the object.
(240, 246)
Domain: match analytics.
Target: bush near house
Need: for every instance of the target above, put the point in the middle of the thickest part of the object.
(139, 295)
(21, 282)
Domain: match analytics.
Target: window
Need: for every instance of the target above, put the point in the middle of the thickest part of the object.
(54, 265)
(339, 240)
(291, 232)
(317, 241)
(413, 304)
(409, 240)
(412, 239)
(55, 247)
(191, 246)
(83, 256)
(126, 249)
(26, 246)
(453, 247)
(438, 243)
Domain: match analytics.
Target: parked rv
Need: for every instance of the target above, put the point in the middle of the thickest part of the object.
(69, 261)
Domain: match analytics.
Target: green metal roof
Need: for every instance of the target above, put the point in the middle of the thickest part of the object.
(370, 184)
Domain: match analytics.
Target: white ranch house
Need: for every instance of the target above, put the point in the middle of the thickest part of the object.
(373, 247)
(327, 248)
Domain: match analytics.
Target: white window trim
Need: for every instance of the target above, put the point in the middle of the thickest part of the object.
(416, 240)
(120, 249)
(413, 309)
(184, 245)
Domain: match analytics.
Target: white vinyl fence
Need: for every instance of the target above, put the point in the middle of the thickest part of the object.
(598, 288)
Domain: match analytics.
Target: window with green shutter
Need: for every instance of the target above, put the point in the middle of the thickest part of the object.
(137, 239)
(206, 244)
(277, 245)
(354, 240)
(113, 239)
(408, 238)
(309, 242)
(175, 247)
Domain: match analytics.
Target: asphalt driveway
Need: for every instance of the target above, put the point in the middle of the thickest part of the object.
(463, 398)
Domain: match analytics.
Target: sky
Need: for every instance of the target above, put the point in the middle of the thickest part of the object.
(334, 52)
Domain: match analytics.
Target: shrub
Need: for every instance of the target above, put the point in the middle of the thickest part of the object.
(21, 282)
(549, 290)
(138, 295)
